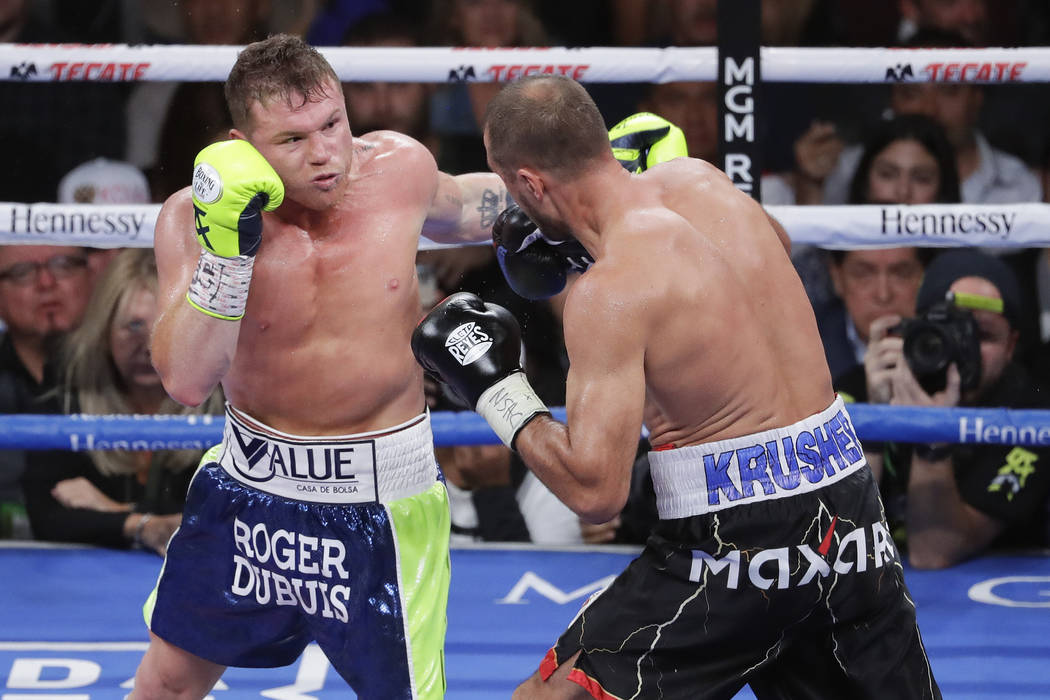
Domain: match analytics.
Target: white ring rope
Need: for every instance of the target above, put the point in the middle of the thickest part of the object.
(996, 225)
(847, 226)
(122, 62)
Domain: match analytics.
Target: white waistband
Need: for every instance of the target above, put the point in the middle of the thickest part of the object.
(379, 466)
(809, 455)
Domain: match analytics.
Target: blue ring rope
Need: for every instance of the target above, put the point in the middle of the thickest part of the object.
(873, 423)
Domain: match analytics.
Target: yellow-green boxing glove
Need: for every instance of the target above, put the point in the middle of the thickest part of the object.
(232, 186)
(644, 139)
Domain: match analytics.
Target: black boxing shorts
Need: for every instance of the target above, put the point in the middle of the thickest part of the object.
(772, 565)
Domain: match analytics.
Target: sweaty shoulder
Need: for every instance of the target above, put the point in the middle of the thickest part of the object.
(688, 172)
(386, 148)
(391, 154)
(176, 215)
(180, 199)
(707, 198)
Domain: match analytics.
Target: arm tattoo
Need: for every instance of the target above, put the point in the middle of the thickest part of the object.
(489, 208)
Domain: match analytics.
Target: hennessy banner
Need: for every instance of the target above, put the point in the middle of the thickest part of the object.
(854, 226)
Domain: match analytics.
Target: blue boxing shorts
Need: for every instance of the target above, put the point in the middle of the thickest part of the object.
(339, 540)
(771, 565)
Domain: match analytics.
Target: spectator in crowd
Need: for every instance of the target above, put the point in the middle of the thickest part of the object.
(335, 19)
(197, 116)
(685, 23)
(695, 22)
(1036, 274)
(154, 108)
(793, 22)
(458, 110)
(907, 160)
(692, 106)
(113, 498)
(967, 18)
(94, 21)
(1013, 114)
(1032, 268)
(103, 181)
(1039, 355)
(955, 501)
(783, 23)
(597, 22)
(980, 22)
(43, 292)
(400, 106)
(164, 21)
(824, 166)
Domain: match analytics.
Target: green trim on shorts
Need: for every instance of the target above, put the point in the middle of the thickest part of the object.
(211, 455)
(421, 525)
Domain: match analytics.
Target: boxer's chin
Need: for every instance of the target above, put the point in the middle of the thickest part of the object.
(552, 230)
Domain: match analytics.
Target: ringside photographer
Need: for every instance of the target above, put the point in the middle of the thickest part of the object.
(948, 502)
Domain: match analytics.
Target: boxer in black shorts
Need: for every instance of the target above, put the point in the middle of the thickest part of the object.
(771, 563)
(788, 588)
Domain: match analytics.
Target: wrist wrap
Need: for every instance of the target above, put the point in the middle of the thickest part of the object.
(508, 405)
(219, 286)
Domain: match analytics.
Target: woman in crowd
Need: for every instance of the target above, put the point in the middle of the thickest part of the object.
(113, 498)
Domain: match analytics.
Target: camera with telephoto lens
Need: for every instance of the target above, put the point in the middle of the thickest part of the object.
(945, 334)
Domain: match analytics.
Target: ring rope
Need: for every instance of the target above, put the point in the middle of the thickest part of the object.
(1026, 427)
(841, 226)
(155, 62)
(106, 226)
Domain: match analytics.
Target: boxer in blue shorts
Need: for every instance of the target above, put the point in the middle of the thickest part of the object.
(309, 536)
(771, 563)
(287, 274)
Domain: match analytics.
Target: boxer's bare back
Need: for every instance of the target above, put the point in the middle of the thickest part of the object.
(731, 346)
(693, 304)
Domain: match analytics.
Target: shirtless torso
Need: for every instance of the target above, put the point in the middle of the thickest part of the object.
(727, 331)
(323, 346)
(693, 321)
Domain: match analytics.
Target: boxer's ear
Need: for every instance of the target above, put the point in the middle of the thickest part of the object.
(532, 182)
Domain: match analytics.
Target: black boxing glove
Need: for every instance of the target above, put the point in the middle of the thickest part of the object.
(534, 266)
(475, 349)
